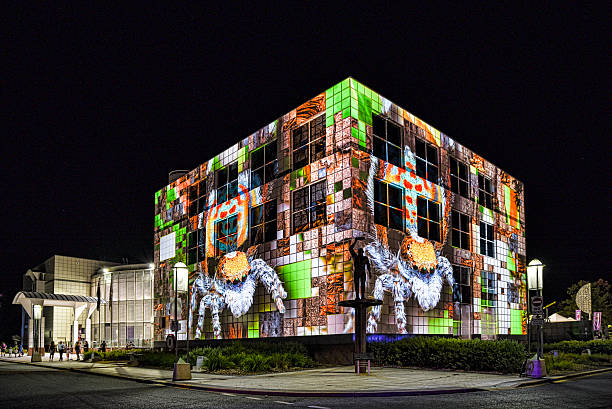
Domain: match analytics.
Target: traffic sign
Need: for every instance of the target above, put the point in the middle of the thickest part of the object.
(537, 302)
(538, 321)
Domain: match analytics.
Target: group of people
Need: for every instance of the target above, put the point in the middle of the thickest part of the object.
(16, 350)
(62, 348)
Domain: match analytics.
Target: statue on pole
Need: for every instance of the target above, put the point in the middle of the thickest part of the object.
(360, 264)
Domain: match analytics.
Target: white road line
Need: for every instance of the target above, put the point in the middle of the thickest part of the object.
(253, 397)
(227, 394)
(283, 402)
(317, 407)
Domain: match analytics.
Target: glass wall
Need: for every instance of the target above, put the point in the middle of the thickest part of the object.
(127, 317)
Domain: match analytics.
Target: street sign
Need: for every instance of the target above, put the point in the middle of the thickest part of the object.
(537, 302)
(538, 321)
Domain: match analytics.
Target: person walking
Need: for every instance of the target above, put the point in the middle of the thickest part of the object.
(103, 346)
(68, 350)
(61, 348)
(86, 347)
(51, 350)
(77, 350)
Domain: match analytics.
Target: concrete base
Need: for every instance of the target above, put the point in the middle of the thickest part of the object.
(536, 368)
(182, 371)
(36, 357)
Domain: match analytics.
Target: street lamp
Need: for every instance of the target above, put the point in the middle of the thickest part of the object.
(37, 314)
(535, 281)
(182, 370)
(534, 275)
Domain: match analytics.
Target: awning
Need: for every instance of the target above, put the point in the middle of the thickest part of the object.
(79, 302)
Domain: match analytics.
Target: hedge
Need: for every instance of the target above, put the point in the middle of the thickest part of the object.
(451, 353)
(577, 347)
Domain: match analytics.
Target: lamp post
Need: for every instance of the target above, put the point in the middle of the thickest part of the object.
(37, 314)
(182, 370)
(535, 282)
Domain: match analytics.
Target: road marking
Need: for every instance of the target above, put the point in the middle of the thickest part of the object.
(227, 394)
(253, 397)
(318, 407)
(560, 381)
(283, 402)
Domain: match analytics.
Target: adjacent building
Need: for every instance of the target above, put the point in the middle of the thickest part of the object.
(67, 290)
(265, 229)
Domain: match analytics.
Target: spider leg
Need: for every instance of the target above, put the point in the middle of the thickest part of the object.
(398, 298)
(383, 282)
(215, 310)
(201, 314)
(272, 283)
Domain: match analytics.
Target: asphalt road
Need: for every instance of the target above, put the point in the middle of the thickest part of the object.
(27, 386)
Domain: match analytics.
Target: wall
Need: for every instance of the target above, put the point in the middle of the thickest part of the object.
(479, 294)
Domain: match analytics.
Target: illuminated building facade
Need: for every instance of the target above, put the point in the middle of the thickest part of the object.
(265, 229)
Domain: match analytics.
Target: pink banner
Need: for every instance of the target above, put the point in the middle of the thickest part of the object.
(597, 321)
(578, 315)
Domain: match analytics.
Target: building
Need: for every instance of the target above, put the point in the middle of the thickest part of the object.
(67, 290)
(61, 285)
(127, 315)
(265, 229)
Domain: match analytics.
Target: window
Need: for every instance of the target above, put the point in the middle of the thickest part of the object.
(263, 164)
(388, 205)
(263, 222)
(428, 219)
(459, 178)
(309, 207)
(387, 141)
(309, 142)
(227, 233)
(462, 292)
(488, 288)
(227, 182)
(485, 192)
(460, 230)
(486, 240)
(426, 161)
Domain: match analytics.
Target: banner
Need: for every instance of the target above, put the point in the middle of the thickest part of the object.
(597, 321)
(578, 315)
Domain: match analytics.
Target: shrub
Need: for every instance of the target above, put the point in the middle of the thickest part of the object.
(576, 347)
(87, 355)
(255, 363)
(450, 353)
(157, 359)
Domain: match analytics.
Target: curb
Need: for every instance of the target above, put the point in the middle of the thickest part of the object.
(563, 377)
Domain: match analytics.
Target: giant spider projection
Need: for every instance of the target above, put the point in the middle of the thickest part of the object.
(416, 269)
(233, 285)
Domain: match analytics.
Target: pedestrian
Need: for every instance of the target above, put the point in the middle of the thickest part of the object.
(86, 347)
(61, 348)
(103, 346)
(51, 350)
(3, 349)
(77, 350)
(68, 350)
(20, 349)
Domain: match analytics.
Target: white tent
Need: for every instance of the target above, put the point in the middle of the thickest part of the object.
(559, 318)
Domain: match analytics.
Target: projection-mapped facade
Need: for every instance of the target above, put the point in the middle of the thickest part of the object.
(265, 229)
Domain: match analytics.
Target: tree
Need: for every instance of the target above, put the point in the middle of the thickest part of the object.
(601, 300)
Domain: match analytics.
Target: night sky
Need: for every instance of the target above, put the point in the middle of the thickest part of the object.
(99, 105)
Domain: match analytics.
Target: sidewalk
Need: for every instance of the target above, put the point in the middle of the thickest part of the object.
(336, 381)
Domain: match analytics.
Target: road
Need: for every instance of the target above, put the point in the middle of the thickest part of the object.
(27, 386)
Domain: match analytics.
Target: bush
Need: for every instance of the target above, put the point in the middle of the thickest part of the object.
(255, 363)
(576, 347)
(157, 359)
(254, 357)
(450, 353)
(87, 355)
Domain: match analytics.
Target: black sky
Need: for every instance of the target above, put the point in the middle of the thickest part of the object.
(102, 104)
